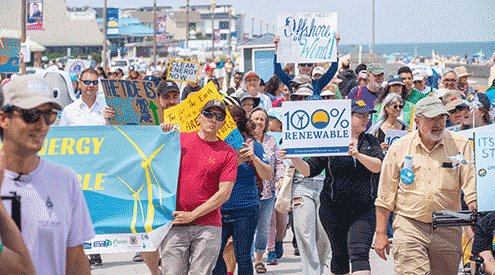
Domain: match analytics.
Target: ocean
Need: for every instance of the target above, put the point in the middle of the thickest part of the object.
(424, 49)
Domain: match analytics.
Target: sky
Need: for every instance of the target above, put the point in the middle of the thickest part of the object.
(407, 21)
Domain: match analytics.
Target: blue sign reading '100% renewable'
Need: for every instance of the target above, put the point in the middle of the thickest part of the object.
(316, 128)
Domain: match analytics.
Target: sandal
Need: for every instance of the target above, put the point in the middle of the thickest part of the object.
(260, 268)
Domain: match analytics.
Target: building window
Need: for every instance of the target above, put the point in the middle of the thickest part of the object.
(223, 36)
(224, 25)
(192, 26)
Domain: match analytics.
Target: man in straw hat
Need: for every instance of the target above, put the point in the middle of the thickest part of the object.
(463, 80)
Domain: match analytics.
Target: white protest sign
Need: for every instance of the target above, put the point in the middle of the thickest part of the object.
(76, 66)
(183, 71)
(485, 169)
(392, 135)
(454, 128)
(316, 128)
(307, 37)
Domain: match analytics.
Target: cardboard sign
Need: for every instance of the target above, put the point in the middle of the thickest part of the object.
(485, 169)
(307, 37)
(317, 128)
(77, 66)
(183, 71)
(10, 44)
(134, 101)
(186, 115)
(392, 136)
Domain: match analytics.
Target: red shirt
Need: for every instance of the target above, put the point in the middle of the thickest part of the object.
(203, 165)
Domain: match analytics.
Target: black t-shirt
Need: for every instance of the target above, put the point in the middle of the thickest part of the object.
(347, 179)
(483, 238)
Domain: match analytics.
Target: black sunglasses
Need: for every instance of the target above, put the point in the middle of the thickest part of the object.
(219, 117)
(305, 64)
(33, 115)
(398, 107)
(87, 82)
(457, 108)
(326, 97)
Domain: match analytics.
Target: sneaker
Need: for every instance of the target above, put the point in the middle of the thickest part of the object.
(272, 258)
(95, 260)
(279, 249)
(296, 251)
(138, 257)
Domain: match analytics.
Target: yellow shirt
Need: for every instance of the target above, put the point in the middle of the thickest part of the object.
(434, 188)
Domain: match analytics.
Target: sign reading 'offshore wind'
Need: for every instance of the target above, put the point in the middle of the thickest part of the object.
(307, 37)
(317, 128)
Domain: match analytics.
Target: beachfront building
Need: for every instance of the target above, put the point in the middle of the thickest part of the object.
(58, 31)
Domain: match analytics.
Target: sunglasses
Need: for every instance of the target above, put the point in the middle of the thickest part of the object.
(326, 97)
(306, 64)
(219, 117)
(87, 82)
(33, 115)
(398, 107)
(457, 109)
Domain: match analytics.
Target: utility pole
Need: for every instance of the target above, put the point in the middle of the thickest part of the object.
(187, 24)
(212, 5)
(23, 20)
(252, 26)
(373, 48)
(104, 53)
(261, 26)
(230, 31)
(154, 32)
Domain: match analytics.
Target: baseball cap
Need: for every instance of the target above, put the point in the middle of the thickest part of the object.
(362, 75)
(251, 74)
(462, 71)
(419, 75)
(276, 113)
(305, 89)
(452, 99)
(441, 92)
(27, 92)
(318, 70)
(166, 87)
(359, 106)
(430, 107)
(301, 79)
(209, 68)
(246, 95)
(395, 79)
(327, 92)
(215, 103)
(230, 100)
(375, 68)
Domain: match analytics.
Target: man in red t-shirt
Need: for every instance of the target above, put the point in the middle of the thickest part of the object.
(207, 172)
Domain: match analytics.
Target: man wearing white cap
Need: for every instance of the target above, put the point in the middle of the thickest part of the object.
(420, 80)
(55, 217)
(417, 179)
(462, 83)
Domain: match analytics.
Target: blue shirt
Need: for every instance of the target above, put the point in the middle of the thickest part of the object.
(318, 84)
(245, 191)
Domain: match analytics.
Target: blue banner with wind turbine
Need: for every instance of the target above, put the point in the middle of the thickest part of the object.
(129, 178)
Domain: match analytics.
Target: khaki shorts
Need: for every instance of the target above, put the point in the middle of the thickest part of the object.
(418, 249)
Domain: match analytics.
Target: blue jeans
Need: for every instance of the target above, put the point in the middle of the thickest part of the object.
(238, 224)
(262, 230)
(311, 238)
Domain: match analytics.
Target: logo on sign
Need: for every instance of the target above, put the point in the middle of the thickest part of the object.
(87, 245)
(299, 120)
(133, 240)
(320, 119)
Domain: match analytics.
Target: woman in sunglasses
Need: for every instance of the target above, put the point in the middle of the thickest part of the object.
(389, 119)
(241, 211)
(394, 85)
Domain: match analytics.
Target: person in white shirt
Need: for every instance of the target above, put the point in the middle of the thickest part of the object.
(89, 109)
(55, 218)
(420, 80)
(251, 84)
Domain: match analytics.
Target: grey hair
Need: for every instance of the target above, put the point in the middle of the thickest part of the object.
(450, 70)
(390, 99)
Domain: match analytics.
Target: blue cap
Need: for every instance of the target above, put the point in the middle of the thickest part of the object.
(359, 106)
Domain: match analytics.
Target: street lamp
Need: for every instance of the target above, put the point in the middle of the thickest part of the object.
(104, 50)
(252, 26)
(273, 28)
(267, 23)
(154, 32)
(187, 23)
(212, 30)
(230, 33)
(261, 27)
(243, 14)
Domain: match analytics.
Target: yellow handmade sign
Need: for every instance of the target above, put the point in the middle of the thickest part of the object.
(186, 115)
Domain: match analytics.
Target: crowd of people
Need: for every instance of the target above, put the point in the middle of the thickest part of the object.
(378, 196)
